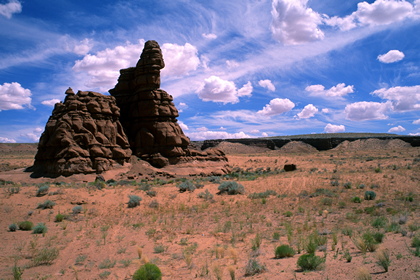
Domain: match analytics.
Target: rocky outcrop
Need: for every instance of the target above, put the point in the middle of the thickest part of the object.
(83, 135)
(148, 114)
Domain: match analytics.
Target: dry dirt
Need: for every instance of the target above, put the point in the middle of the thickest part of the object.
(193, 238)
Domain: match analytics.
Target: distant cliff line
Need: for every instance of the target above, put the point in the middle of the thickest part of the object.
(321, 142)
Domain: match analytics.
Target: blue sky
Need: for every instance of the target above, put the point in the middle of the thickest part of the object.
(238, 68)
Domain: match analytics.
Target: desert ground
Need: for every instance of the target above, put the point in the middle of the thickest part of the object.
(88, 231)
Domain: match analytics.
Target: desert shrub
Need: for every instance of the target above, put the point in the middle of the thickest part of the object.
(327, 201)
(59, 218)
(186, 186)
(148, 271)
(253, 267)
(356, 199)
(45, 256)
(154, 204)
(205, 195)
(13, 190)
(107, 263)
(288, 214)
(368, 242)
(370, 195)
(40, 228)
(215, 179)
(322, 191)
(347, 185)
(379, 222)
(383, 259)
(231, 188)
(335, 183)
(265, 194)
(284, 251)
(47, 204)
(415, 242)
(341, 205)
(347, 255)
(25, 225)
(134, 201)
(361, 186)
(363, 273)
(310, 262)
(159, 249)
(77, 209)
(151, 193)
(42, 190)
(13, 227)
(276, 235)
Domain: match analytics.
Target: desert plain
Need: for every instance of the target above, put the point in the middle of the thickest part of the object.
(88, 231)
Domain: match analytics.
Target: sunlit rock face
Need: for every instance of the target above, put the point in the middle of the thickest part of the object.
(83, 135)
(148, 114)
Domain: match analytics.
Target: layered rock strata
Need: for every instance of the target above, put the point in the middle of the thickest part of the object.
(148, 114)
(83, 135)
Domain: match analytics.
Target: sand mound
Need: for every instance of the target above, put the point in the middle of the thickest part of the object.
(297, 147)
(238, 148)
(371, 144)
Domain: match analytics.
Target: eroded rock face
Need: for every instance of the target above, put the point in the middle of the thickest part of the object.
(83, 135)
(148, 114)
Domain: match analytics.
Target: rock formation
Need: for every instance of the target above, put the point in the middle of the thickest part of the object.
(83, 135)
(148, 114)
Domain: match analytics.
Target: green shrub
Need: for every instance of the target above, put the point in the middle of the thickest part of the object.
(309, 262)
(25, 225)
(13, 227)
(370, 195)
(284, 251)
(148, 271)
(288, 214)
(327, 201)
(47, 204)
(77, 209)
(253, 267)
(335, 183)
(356, 199)
(361, 186)
(347, 185)
(415, 242)
(378, 237)
(383, 259)
(205, 195)
(231, 188)
(265, 194)
(107, 263)
(42, 190)
(45, 256)
(186, 186)
(379, 222)
(59, 218)
(134, 201)
(40, 228)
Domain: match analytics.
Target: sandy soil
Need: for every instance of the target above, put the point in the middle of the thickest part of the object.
(193, 238)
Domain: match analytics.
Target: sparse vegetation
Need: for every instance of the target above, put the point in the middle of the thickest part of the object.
(254, 267)
(25, 225)
(309, 262)
(231, 188)
(42, 190)
(148, 271)
(370, 195)
(40, 228)
(134, 201)
(284, 251)
(47, 204)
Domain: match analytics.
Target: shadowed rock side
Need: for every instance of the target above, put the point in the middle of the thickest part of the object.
(148, 115)
(83, 135)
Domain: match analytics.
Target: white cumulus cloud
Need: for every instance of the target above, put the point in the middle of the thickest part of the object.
(7, 140)
(380, 12)
(209, 134)
(179, 60)
(183, 125)
(391, 56)
(331, 128)
(267, 84)
(416, 121)
(14, 96)
(294, 23)
(308, 111)
(13, 7)
(277, 106)
(50, 102)
(83, 47)
(402, 98)
(218, 90)
(396, 129)
(339, 90)
(362, 111)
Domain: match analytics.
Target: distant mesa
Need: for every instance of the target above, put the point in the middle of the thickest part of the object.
(92, 133)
